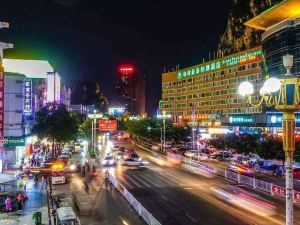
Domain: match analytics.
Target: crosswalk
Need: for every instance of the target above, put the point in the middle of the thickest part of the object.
(142, 179)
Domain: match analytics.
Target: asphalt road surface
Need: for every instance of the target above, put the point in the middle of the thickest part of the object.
(176, 196)
(96, 205)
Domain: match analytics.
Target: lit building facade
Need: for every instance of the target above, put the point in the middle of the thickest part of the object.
(209, 91)
(281, 36)
(131, 90)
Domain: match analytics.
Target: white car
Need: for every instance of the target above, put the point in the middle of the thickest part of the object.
(134, 162)
(108, 161)
(200, 156)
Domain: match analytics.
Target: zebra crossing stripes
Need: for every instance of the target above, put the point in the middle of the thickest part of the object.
(146, 180)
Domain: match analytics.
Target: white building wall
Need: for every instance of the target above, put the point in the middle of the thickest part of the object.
(13, 106)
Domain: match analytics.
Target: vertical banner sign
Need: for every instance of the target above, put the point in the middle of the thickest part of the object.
(27, 110)
(1, 104)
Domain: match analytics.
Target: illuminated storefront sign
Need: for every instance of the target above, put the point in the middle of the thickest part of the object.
(241, 119)
(11, 142)
(220, 64)
(27, 110)
(274, 119)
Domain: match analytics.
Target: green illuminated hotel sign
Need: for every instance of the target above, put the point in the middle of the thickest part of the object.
(218, 64)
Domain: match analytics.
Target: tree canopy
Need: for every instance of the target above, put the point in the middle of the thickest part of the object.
(150, 128)
(56, 123)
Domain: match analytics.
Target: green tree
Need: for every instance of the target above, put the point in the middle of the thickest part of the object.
(56, 124)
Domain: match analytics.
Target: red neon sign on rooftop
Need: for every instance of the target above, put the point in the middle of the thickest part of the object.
(126, 69)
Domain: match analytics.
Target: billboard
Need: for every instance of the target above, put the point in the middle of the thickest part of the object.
(116, 111)
(108, 125)
(27, 105)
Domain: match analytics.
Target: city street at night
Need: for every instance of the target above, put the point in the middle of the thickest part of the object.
(158, 112)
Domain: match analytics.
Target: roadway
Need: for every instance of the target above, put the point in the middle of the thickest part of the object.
(96, 205)
(176, 196)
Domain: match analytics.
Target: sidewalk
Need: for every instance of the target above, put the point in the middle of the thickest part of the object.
(37, 201)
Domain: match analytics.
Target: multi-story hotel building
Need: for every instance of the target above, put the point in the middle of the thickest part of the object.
(209, 91)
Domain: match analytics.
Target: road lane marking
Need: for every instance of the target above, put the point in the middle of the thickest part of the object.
(190, 217)
(164, 198)
(132, 181)
(140, 180)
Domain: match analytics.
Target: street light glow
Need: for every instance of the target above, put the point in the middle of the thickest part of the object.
(246, 88)
(272, 85)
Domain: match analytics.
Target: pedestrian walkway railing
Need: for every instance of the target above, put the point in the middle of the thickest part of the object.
(144, 213)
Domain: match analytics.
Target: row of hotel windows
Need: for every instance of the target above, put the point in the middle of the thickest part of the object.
(253, 77)
(216, 111)
(206, 94)
(208, 103)
(216, 75)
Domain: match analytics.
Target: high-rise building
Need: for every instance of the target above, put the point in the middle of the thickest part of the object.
(207, 94)
(131, 90)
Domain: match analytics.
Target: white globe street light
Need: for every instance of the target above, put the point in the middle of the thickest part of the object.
(283, 94)
(272, 85)
(246, 88)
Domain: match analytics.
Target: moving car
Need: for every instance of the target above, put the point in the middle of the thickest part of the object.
(108, 161)
(135, 157)
(242, 169)
(249, 201)
(134, 162)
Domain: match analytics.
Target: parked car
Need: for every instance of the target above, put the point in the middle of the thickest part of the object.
(191, 153)
(206, 151)
(222, 155)
(296, 173)
(200, 156)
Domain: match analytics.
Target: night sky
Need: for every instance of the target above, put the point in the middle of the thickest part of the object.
(89, 39)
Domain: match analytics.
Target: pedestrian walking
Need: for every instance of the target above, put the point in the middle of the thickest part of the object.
(20, 200)
(8, 204)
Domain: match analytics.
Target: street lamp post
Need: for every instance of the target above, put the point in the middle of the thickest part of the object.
(161, 134)
(94, 116)
(164, 116)
(283, 93)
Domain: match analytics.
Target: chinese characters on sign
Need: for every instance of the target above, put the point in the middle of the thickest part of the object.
(108, 125)
(277, 190)
(1, 102)
(27, 110)
(222, 63)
